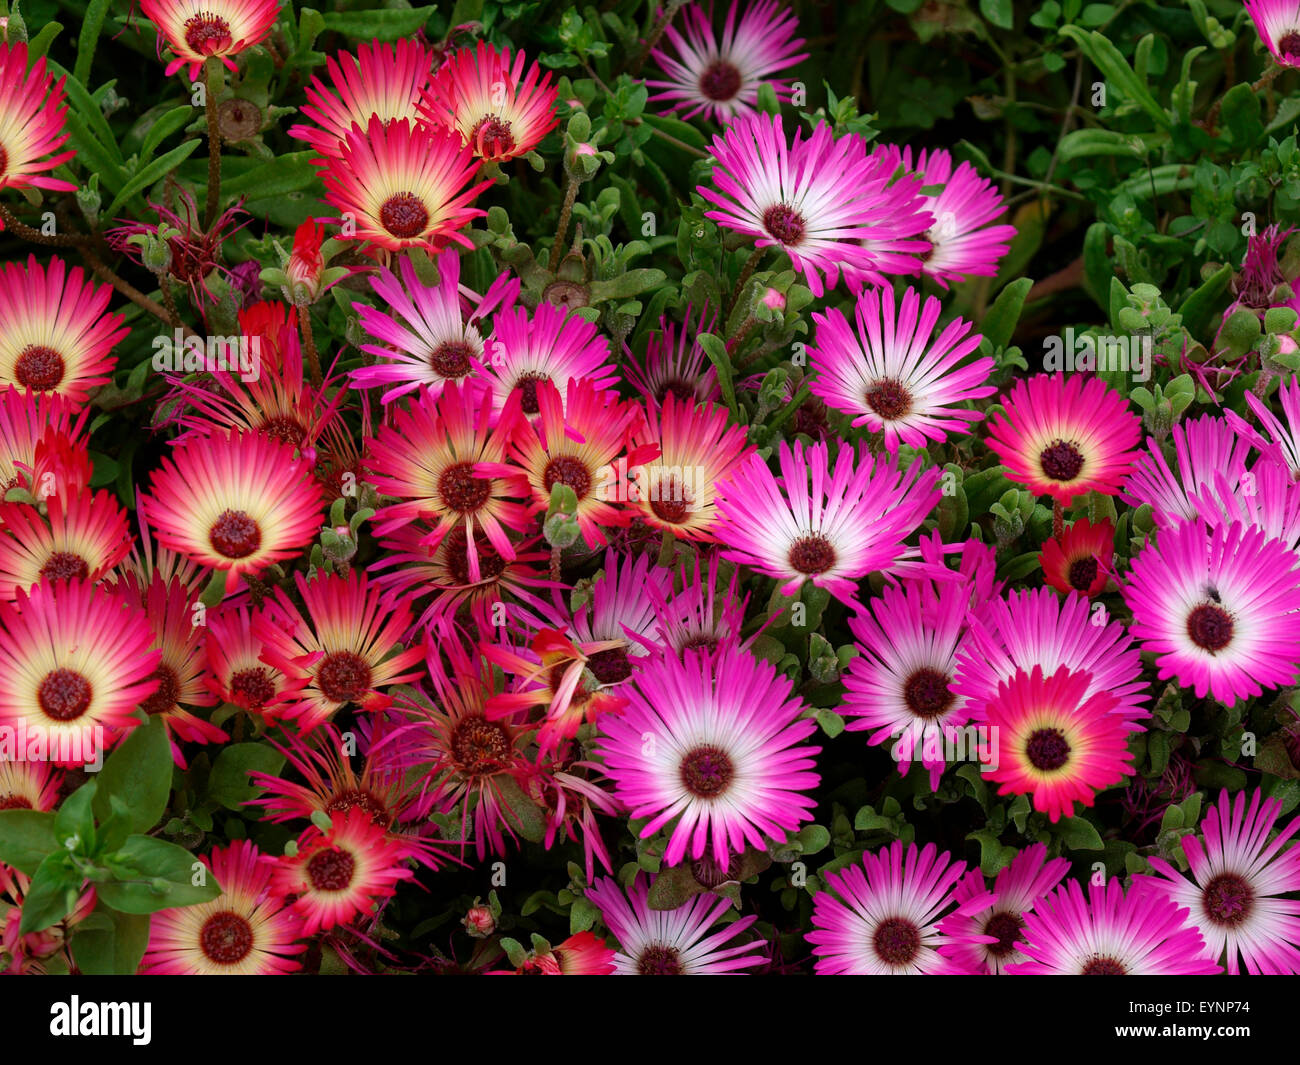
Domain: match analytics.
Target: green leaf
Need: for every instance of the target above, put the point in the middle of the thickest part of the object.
(289, 173)
(1000, 321)
(26, 837)
(1079, 834)
(75, 818)
(998, 12)
(521, 813)
(90, 113)
(92, 24)
(1107, 59)
(155, 859)
(164, 126)
(673, 888)
(228, 782)
(39, 45)
(151, 173)
(52, 893)
(139, 772)
(111, 946)
(716, 350)
(1198, 309)
(582, 915)
(383, 25)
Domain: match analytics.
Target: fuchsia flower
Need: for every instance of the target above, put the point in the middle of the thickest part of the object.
(1204, 448)
(86, 536)
(671, 366)
(197, 29)
(894, 374)
(32, 113)
(1278, 23)
(29, 785)
(1284, 436)
(1081, 560)
(718, 76)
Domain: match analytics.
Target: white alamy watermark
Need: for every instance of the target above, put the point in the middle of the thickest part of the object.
(77, 745)
(970, 743)
(178, 353)
(653, 483)
(1131, 353)
(77, 1018)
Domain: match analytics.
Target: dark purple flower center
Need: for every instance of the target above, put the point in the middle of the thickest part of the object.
(235, 534)
(452, 358)
(164, 696)
(683, 390)
(1101, 966)
(1290, 43)
(783, 223)
(355, 799)
(207, 33)
(480, 746)
(331, 869)
(15, 802)
(658, 960)
(1228, 899)
(286, 430)
(812, 554)
(1047, 749)
(1083, 571)
(889, 399)
(1006, 927)
(897, 941)
(491, 138)
(926, 692)
(39, 368)
(710, 874)
(255, 685)
(707, 771)
(461, 490)
(527, 387)
(610, 667)
(1061, 461)
(64, 565)
(404, 215)
(565, 469)
(456, 554)
(1210, 627)
(343, 677)
(64, 694)
(720, 80)
(226, 938)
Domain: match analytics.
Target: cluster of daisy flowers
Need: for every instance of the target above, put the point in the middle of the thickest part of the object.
(389, 609)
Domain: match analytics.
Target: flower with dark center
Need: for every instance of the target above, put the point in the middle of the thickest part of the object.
(812, 554)
(1290, 43)
(710, 874)
(226, 938)
(480, 746)
(527, 387)
(1083, 571)
(207, 33)
(456, 558)
(1102, 966)
(612, 666)
(566, 469)
(702, 641)
(720, 80)
(1210, 627)
(896, 941)
(889, 399)
(926, 692)
(784, 224)
(452, 358)
(166, 694)
(658, 960)
(39, 368)
(707, 771)
(404, 215)
(344, 677)
(15, 802)
(491, 138)
(1228, 900)
(683, 390)
(675, 511)
(235, 534)
(1006, 927)
(1061, 460)
(63, 565)
(285, 429)
(4, 161)
(461, 490)
(255, 685)
(356, 799)
(64, 694)
(1047, 749)
(331, 869)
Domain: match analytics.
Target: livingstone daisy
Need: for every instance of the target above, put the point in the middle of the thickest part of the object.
(42, 442)
(1065, 436)
(404, 185)
(1264, 497)
(445, 463)
(726, 757)
(892, 374)
(246, 931)
(881, 917)
(1057, 741)
(32, 113)
(341, 652)
(985, 943)
(1217, 608)
(670, 365)
(718, 76)
(1284, 433)
(1238, 874)
(1036, 627)
(703, 616)
(197, 29)
(812, 198)
(680, 942)
(235, 670)
(429, 340)
(1278, 23)
(499, 110)
(830, 525)
(1110, 933)
(1204, 448)
(1081, 560)
(382, 79)
(84, 536)
(74, 656)
(235, 502)
(28, 785)
(339, 874)
(55, 329)
(698, 450)
(899, 685)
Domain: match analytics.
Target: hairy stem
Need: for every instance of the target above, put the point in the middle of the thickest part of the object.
(214, 140)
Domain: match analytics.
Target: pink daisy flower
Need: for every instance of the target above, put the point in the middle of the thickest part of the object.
(404, 185)
(882, 917)
(1066, 436)
(703, 616)
(74, 657)
(727, 758)
(894, 375)
(42, 442)
(1237, 876)
(1036, 627)
(1203, 448)
(197, 29)
(814, 199)
(340, 874)
(29, 786)
(1278, 23)
(341, 653)
(1264, 497)
(1216, 607)
(1284, 435)
(674, 942)
(1057, 741)
(55, 334)
(1081, 560)
(32, 113)
(86, 536)
(429, 340)
(1110, 933)
(235, 502)
(985, 943)
(851, 522)
(381, 79)
(719, 76)
(246, 931)
(235, 670)
(621, 608)
(497, 109)
(671, 366)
